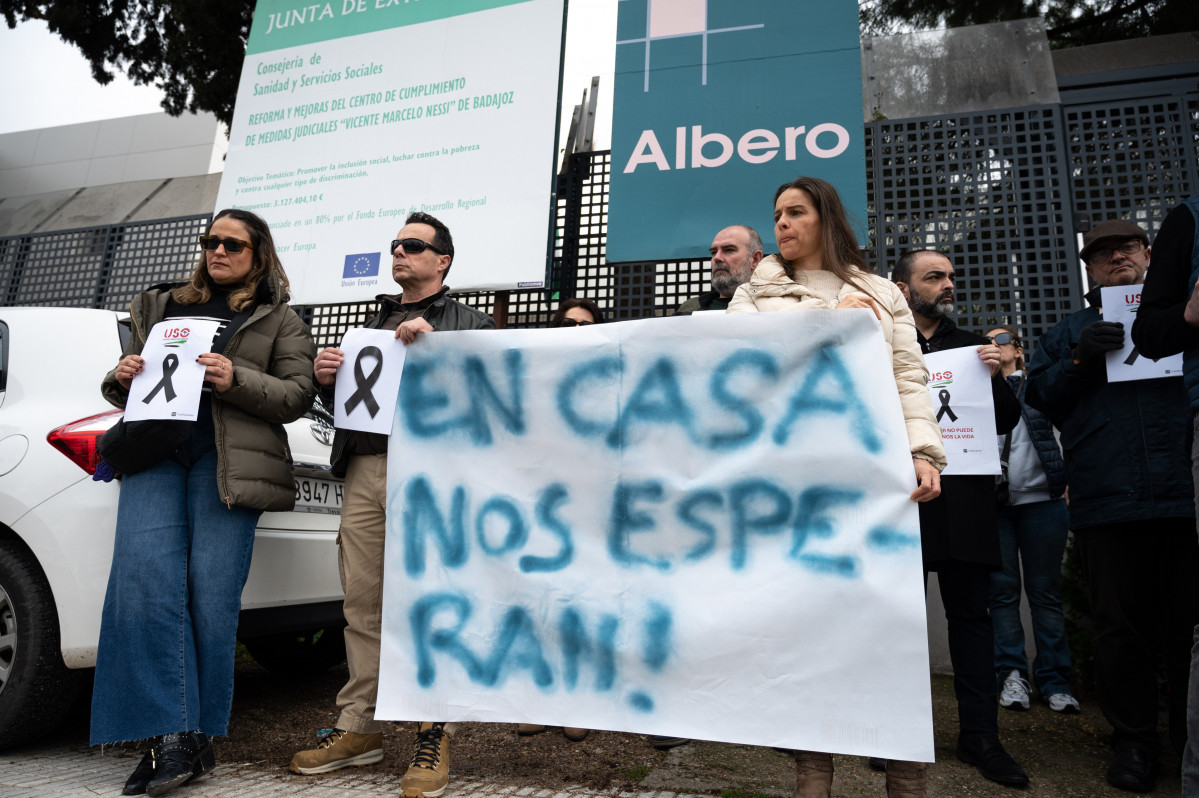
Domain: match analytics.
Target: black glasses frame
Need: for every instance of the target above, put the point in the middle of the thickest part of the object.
(232, 245)
(412, 246)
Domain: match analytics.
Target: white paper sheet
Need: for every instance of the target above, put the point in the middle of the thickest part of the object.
(960, 387)
(170, 384)
(1120, 303)
(368, 380)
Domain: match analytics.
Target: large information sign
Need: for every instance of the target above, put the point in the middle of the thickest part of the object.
(693, 526)
(717, 103)
(353, 113)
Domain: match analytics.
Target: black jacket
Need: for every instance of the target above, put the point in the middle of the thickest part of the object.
(444, 314)
(960, 524)
(1127, 445)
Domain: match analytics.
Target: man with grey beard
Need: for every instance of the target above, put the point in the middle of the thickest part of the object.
(959, 530)
(735, 252)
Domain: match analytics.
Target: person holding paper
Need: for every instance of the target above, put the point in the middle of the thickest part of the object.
(736, 252)
(959, 534)
(1168, 323)
(421, 255)
(819, 265)
(185, 527)
(1132, 508)
(1033, 527)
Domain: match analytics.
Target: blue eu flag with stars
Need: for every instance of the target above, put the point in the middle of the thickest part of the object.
(365, 264)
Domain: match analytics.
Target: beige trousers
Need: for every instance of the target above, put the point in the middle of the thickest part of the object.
(360, 563)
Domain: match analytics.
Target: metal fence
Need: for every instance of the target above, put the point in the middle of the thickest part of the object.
(1001, 192)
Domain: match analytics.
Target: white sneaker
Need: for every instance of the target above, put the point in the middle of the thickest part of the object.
(1064, 703)
(1015, 692)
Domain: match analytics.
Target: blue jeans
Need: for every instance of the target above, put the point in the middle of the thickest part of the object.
(168, 629)
(1032, 536)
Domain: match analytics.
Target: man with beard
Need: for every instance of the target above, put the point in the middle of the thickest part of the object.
(735, 252)
(1132, 508)
(959, 533)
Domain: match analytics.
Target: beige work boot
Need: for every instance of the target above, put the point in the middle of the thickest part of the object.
(906, 779)
(528, 729)
(813, 774)
(338, 749)
(575, 734)
(429, 771)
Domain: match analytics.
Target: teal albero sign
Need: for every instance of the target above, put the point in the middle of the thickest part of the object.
(717, 103)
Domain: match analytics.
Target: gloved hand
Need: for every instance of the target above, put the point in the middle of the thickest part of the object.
(1097, 339)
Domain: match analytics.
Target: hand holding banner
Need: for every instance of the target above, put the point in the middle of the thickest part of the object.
(169, 386)
(692, 527)
(960, 386)
(1120, 303)
(368, 380)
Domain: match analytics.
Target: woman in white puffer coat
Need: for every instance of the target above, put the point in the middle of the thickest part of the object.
(819, 265)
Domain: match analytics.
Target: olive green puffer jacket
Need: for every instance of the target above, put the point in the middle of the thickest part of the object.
(272, 357)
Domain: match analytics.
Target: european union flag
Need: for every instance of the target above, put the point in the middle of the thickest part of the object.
(363, 265)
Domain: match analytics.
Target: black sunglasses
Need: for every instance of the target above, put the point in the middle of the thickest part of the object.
(232, 245)
(413, 246)
(1004, 338)
(575, 323)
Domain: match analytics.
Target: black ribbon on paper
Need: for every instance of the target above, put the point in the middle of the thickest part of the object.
(945, 408)
(363, 395)
(169, 365)
(1132, 357)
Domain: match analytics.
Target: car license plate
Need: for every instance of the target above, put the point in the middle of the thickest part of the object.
(318, 495)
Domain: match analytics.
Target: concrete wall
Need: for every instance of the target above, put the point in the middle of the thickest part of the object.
(130, 149)
(138, 201)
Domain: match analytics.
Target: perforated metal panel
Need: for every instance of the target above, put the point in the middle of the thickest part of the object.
(98, 267)
(988, 190)
(1133, 159)
(150, 253)
(995, 190)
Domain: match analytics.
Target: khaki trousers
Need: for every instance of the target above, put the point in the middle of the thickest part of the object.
(360, 563)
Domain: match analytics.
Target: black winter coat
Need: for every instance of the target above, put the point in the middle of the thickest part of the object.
(1127, 445)
(960, 525)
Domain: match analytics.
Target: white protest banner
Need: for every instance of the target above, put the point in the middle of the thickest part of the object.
(350, 115)
(169, 386)
(683, 526)
(960, 386)
(1120, 303)
(368, 380)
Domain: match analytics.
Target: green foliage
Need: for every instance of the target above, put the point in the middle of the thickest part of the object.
(1071, 23)
(193, 51)
(637, 773)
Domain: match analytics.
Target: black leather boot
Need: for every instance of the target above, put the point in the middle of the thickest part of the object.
(136, 785)
(180, 758)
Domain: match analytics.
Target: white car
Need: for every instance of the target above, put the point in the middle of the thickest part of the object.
(57, 524)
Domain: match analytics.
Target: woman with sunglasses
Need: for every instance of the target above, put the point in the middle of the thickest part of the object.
(1033, 526)
(185, 526)
(819, 265)
(577, 313)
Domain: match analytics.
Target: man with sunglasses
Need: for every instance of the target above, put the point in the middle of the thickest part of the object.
(736, 252)
(421, 256)
(1132, 507)
(1168, 323)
